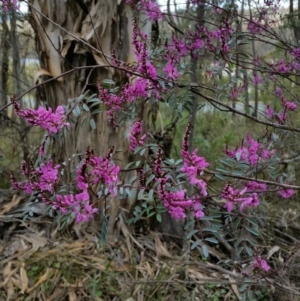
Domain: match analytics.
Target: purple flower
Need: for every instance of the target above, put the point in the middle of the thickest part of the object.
(260, 264)
(252, 152)
(286, 193)
(194, 167)
(296, 53)
(257, 80)
(10, 4)
(171, 71)
(251, 201)
(52, 122)
(252, 185)
(79, 205)
(150, 7)
(48, 176)
(269, 111)
(134, 136)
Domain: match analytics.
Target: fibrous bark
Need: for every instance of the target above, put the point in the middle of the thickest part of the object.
(72, 34)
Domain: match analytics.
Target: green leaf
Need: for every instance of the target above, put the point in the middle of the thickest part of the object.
(238, 241)
(195, 244)
(129, 192)
(108, 81)
(205, 251)
(141, 194)
(207, 218)
(151, 214)
(191, 233)
(85, 107)
(253, 231)
(138, 209)
(93, 124)
(210, 230)
(128, 165)
(249, 251)
(251, 241)
(149, 179)
(188, 224)
(97, 111)
(132, 179)
(150, 195)
(252, 221)
(158, 217)
(212, 240)
(143, 151)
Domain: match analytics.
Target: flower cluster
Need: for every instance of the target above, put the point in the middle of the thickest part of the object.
(101, 171)
(138, 87)
(178, 204)
(235, 92)
(42, 179)
(295, 52)
(263, 20)
(193, 165)
(287, 106)
(79, 205)
(149, 6)
(283, 67)
(193, 42)
(286, 193)
(252, 152)
(134, 136)
(260, 264)
(175, 201)
(10, 4)
(93, 171)
(257, 79)
(245, 197)
(46, 119)
(144, 66)
(257, 26)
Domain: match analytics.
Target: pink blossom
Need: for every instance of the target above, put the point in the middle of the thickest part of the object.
(251, 201)
(194, 166)
(252, 185)
(135, 135)
(42, 179)
(48, 176)
(269, 111)
(243, 197)
(282, 116)
(150, 7)
(230, 195)
(10, 4)
(255, 26)
(106, 172)
(178, 204)
(282, 67)
(286, 193)
(295, 52)
(290, 105)
(80, 206)
(52, 122)
(260, 264)
(257, 80)
(171, 71)
(235, 92)
(251, 152)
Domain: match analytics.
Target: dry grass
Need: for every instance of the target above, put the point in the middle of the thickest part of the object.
(36, 267)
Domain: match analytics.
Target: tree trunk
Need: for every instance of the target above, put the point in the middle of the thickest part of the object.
(5, 46)
(64, 30)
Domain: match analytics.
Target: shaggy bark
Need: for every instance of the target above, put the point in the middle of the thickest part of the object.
(70, 35)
